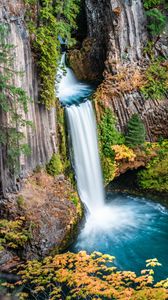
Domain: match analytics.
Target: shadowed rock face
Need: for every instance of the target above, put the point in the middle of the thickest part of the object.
(42, 136)
(119, 28)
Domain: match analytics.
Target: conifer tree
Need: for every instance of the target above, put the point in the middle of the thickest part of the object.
(135, 131)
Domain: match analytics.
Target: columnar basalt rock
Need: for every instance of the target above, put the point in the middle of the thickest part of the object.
(41, 137)
(119, 28)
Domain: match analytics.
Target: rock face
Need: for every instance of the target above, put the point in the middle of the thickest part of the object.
(42, 136)
(119, 28)
(50, 213)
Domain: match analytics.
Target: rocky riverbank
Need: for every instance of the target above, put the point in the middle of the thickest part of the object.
(49, 210)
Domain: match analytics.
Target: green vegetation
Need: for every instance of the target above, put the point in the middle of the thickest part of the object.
(156, 84)
(82, 276)
(148, 4)
(13, 100)
(155, 176)
(156, 21)
(135, 132)
(55, 18)
(108, 136)
(13, 234)
(74, 198)
(55, 167)
(156, 16)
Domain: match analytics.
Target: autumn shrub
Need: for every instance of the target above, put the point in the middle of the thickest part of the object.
(55, 167)
(135, 132)
(123, 153)
(13, 234)
(83, 276)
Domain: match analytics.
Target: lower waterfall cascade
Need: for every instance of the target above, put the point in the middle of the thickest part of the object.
(117, 224)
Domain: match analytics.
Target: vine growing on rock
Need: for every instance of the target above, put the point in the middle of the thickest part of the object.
(55, 22)
(13, 102)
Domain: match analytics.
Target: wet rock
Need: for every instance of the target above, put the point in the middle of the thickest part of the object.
(83, 61)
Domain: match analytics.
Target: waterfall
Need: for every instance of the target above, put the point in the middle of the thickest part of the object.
(82, 128)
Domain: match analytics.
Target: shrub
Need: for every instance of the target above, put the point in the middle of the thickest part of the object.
(156, 21)
(155, 176)
(123, 152)
(108, 134)
(109, 169)
(82, 276)
(135, 132)
(55, 167)
(156, 76)
(13, 234)
(148, 4)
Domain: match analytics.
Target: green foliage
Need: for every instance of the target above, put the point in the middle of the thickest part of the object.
(55, 18)
(13, 234)
(13, 100)
(156, 21)
(155, 176)
(108, 135)
(135, 132)
(148, 4)
(156, 85)
(74, 198)
(82, 276)
(55, 167)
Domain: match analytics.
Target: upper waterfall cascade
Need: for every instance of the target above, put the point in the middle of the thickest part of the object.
(82, 125)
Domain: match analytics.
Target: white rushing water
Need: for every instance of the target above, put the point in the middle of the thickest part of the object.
(82, 128)
(85, 150)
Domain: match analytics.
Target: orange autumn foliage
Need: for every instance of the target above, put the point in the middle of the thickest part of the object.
(83, 276)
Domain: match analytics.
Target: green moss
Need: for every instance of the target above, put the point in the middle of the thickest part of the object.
(55, 167)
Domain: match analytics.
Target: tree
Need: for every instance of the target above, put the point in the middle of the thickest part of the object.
(135, 132)
(13, 100)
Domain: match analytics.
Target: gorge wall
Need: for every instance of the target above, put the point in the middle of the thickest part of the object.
(118, 33)
(42, 136)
